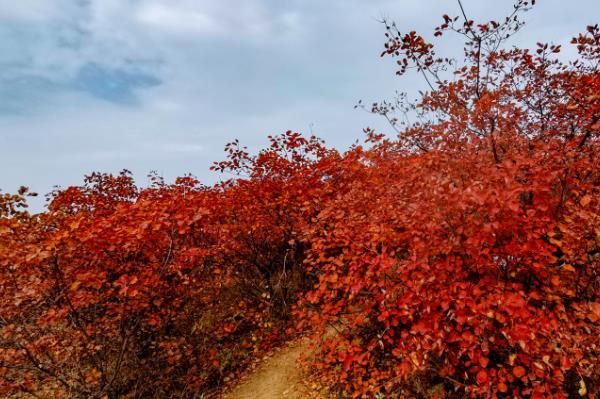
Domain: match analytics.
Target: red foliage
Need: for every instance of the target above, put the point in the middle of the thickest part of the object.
(460, 259)
(124, 292)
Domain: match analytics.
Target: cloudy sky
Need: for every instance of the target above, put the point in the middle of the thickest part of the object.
(163, 84)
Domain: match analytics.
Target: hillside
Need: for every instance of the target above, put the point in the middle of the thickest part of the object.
(457, 259)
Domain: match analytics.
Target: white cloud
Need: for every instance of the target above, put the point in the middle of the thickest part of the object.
(46, 44)
(229, 68)
(220, 18)
(177, 20)
(179, 147)
(29, 10)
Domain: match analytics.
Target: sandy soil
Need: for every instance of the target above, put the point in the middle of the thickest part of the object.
(277, 377)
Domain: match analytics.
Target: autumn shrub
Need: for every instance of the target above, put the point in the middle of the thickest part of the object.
(474, 284)
(117, 291)
(464, 260)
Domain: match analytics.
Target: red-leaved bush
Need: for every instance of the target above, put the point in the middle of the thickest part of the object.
(169, 290)
(462, 259)
(459, 259)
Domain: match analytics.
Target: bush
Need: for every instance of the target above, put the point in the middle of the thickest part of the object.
(169, 290)
(463, 260)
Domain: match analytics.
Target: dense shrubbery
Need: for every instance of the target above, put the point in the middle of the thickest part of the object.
(460, 259)
(121, 292)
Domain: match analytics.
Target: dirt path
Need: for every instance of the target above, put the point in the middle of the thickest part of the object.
(277, 377)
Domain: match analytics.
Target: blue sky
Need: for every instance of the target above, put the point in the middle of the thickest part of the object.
(163, 84)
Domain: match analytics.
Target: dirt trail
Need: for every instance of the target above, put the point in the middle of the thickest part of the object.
(277, 377)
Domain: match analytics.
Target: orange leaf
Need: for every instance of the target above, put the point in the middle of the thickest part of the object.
(502, 387)
(519, 371)
(585, 200)
(594, 315)
(482, 377)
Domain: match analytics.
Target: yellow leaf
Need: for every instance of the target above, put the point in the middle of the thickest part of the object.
(74, 286)
(582, 388)
(546, 360)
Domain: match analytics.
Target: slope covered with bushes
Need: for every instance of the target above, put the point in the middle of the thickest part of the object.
(459, 259)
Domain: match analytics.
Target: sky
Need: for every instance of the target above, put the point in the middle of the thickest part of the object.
(102, 85)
